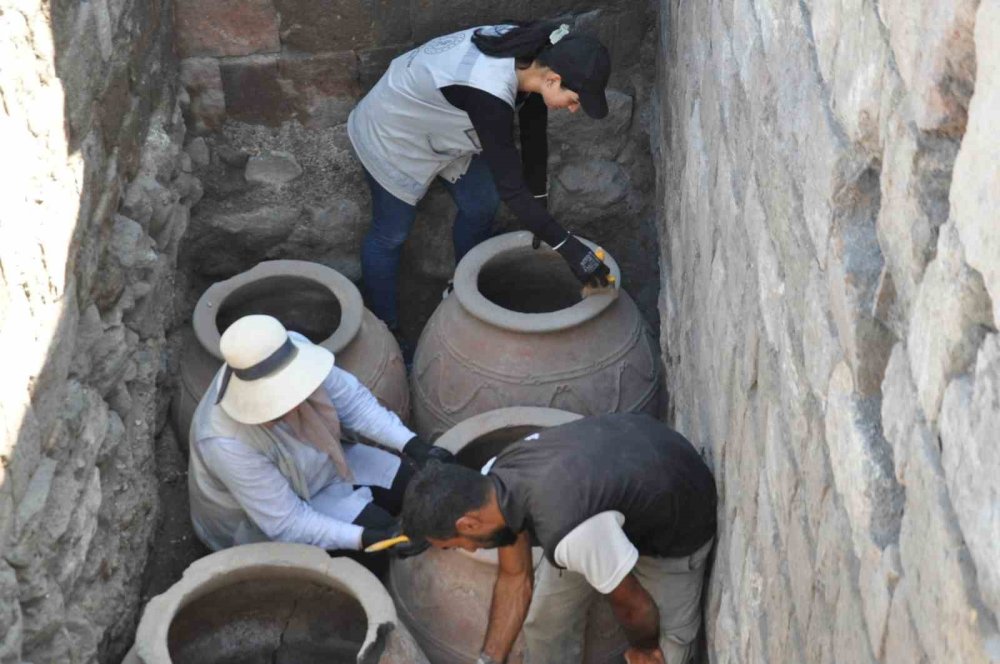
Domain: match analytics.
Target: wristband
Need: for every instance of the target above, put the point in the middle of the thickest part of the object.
(486, 659)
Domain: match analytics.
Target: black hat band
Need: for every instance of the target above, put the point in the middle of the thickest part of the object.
(266, 367)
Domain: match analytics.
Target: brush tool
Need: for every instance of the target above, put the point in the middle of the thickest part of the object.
(589, 290)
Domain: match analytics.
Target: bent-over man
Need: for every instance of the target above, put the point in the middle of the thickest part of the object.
(621, 505)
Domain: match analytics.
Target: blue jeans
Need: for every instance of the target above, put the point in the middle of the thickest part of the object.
(477, 199)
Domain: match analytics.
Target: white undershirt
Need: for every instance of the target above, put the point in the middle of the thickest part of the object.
(599, 550)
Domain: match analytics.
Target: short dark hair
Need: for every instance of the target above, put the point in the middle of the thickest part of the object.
(438, 496)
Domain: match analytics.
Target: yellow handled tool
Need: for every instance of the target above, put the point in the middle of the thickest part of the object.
(600, 256)
(387, 544)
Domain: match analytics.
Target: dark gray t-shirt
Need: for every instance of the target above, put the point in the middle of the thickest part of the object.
(627, 463)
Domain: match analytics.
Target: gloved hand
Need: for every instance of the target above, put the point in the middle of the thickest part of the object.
(587, 267)
(371, 536)
(421, 452)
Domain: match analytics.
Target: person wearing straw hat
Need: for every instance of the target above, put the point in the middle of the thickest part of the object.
(446, 109)
(269, 458)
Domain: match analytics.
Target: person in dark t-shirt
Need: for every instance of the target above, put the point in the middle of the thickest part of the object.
(446, 109)
(620, 505)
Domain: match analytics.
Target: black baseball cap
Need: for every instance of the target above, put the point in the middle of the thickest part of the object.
(585, 66)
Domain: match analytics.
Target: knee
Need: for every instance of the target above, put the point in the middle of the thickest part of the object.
(384, 239)
(481, 209)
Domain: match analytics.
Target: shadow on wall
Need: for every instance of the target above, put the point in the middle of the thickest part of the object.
(95, 199)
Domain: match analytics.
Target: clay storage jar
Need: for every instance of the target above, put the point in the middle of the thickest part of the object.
(273, 602)
(308, 298)
(516, 332)
(444, 596)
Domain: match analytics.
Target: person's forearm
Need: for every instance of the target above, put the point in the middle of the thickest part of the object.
(511, 598)
(636, 613)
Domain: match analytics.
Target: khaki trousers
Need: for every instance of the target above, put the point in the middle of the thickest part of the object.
(554, 627)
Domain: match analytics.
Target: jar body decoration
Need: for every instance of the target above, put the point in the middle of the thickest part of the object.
(308, 298)
(517, 332)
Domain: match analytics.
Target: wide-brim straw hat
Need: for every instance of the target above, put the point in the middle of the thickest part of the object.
(267, 372)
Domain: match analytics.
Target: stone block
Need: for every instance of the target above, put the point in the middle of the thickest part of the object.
(575, 134)
(902, 643)
(431, 19)
(970, 420)
(588, 185)
(330, 234)
(322, 89)
(272, 168)
(819, 334)
(943, 602)
(225, 27)
(862, 462)
(202, 79)
(373, 62)
(223, 243)
(854, 59)
(934, 50)
(11, 622)
(197, 150)
(948, 323)
(318, 90)
(320, 26)
(975, 193)
(253, 90)
(854, 268)
(392, 21)
(879, 573)
(916, 175)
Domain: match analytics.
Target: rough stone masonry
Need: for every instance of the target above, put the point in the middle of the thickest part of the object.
(830, 233)
(95, 197)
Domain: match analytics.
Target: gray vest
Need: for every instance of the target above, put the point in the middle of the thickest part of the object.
(629, 463)
(406, 133)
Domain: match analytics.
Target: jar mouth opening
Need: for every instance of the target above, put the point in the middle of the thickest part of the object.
(309, 298)
(301, 304)
(506, 283)
(255, 618)
(529, 281)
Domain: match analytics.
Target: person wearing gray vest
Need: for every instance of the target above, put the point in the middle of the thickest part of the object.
(446, 109)
(621, 506)
(270, 457)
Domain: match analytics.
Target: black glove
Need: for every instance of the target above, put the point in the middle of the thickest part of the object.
(587, 267)
(421, 452)
(371, 536)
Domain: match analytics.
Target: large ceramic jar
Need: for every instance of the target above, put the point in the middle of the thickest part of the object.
(309, 298)
(516, 332)
(273, 602)
(444, 596)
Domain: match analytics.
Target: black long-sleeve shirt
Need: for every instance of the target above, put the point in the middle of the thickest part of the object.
(518, 179)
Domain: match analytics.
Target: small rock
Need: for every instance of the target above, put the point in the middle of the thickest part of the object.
(197, 150)
(272, 168)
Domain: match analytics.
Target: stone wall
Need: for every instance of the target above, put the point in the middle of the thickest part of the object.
(270, 87)
(830, 183)
(95, 197)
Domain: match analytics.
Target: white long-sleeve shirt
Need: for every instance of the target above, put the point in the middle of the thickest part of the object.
(238, 495)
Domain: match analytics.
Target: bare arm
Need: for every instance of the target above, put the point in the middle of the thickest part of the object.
(637, 613)
(511, 597)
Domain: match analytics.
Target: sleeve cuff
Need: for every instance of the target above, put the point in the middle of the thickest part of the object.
(619, 575)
